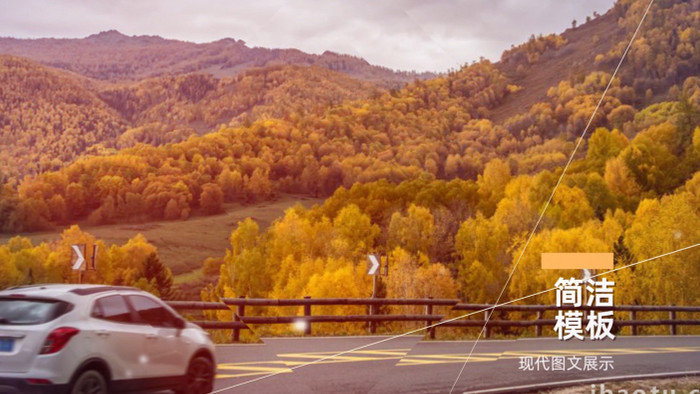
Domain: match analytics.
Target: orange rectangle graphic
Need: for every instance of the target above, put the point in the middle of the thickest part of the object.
(577, 261)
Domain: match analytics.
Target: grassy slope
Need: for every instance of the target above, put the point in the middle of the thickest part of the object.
(183, 245)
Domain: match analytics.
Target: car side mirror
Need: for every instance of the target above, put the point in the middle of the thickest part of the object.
(180, 323)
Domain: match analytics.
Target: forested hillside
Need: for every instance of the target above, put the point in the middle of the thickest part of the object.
(396, 136)
(439, 127)
(445, 176)
(183, 105)
(49, 118)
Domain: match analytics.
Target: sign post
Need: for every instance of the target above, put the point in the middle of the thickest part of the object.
(93, 258)
(373, 270)
(79, 263)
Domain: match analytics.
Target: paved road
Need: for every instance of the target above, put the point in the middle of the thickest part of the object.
(406, 365)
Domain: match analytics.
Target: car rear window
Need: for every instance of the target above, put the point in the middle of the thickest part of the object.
(28, 311)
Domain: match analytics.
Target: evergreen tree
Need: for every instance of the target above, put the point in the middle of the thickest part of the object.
(158, 275)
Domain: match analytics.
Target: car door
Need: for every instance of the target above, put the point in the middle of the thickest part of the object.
(118, 338)
(167, 350)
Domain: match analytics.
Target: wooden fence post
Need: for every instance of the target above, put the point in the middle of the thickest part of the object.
(538, 327)
(429, 311)
(487, 329)
(672, 316)
(307, 313)
(633, 317)
(372, 323)
(237, 317)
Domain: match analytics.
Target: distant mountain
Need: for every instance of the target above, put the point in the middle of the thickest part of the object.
(115, 57)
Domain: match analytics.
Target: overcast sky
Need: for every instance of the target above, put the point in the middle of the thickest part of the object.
(420, 35)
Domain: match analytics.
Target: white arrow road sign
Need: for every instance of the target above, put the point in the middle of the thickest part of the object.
(80, 260)
(375, 264)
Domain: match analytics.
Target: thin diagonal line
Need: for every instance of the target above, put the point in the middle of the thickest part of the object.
(492, 307)
(644, 261)
(561, 177)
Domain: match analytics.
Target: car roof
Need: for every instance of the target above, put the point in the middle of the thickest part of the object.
(66, 290)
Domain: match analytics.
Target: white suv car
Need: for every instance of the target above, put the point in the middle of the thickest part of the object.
(98, 339)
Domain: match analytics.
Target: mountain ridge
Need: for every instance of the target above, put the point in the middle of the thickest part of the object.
(148, 56)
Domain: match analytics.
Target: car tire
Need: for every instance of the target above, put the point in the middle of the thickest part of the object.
(199, 378)
(89, 382)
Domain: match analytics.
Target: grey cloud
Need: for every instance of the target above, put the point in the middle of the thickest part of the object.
(405, 34)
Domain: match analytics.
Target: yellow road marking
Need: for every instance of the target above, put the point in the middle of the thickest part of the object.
(226, 376)
(235, 365)
(337, 360)
(315, 356)
(241, 375)
(441, 359)
(253, 368)
(681, 349)
(389, 352)
(458, 356)
(249, 369)
(397, 352)
(356, 356)
(340, 358)
(288, 360)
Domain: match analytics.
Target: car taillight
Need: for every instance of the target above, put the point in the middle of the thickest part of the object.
(58, 339)
(39, 381)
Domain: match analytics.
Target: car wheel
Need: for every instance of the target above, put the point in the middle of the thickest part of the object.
(200, 377)
(89, 382)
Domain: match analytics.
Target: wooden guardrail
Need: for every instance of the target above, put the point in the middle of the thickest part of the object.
(240, 319)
